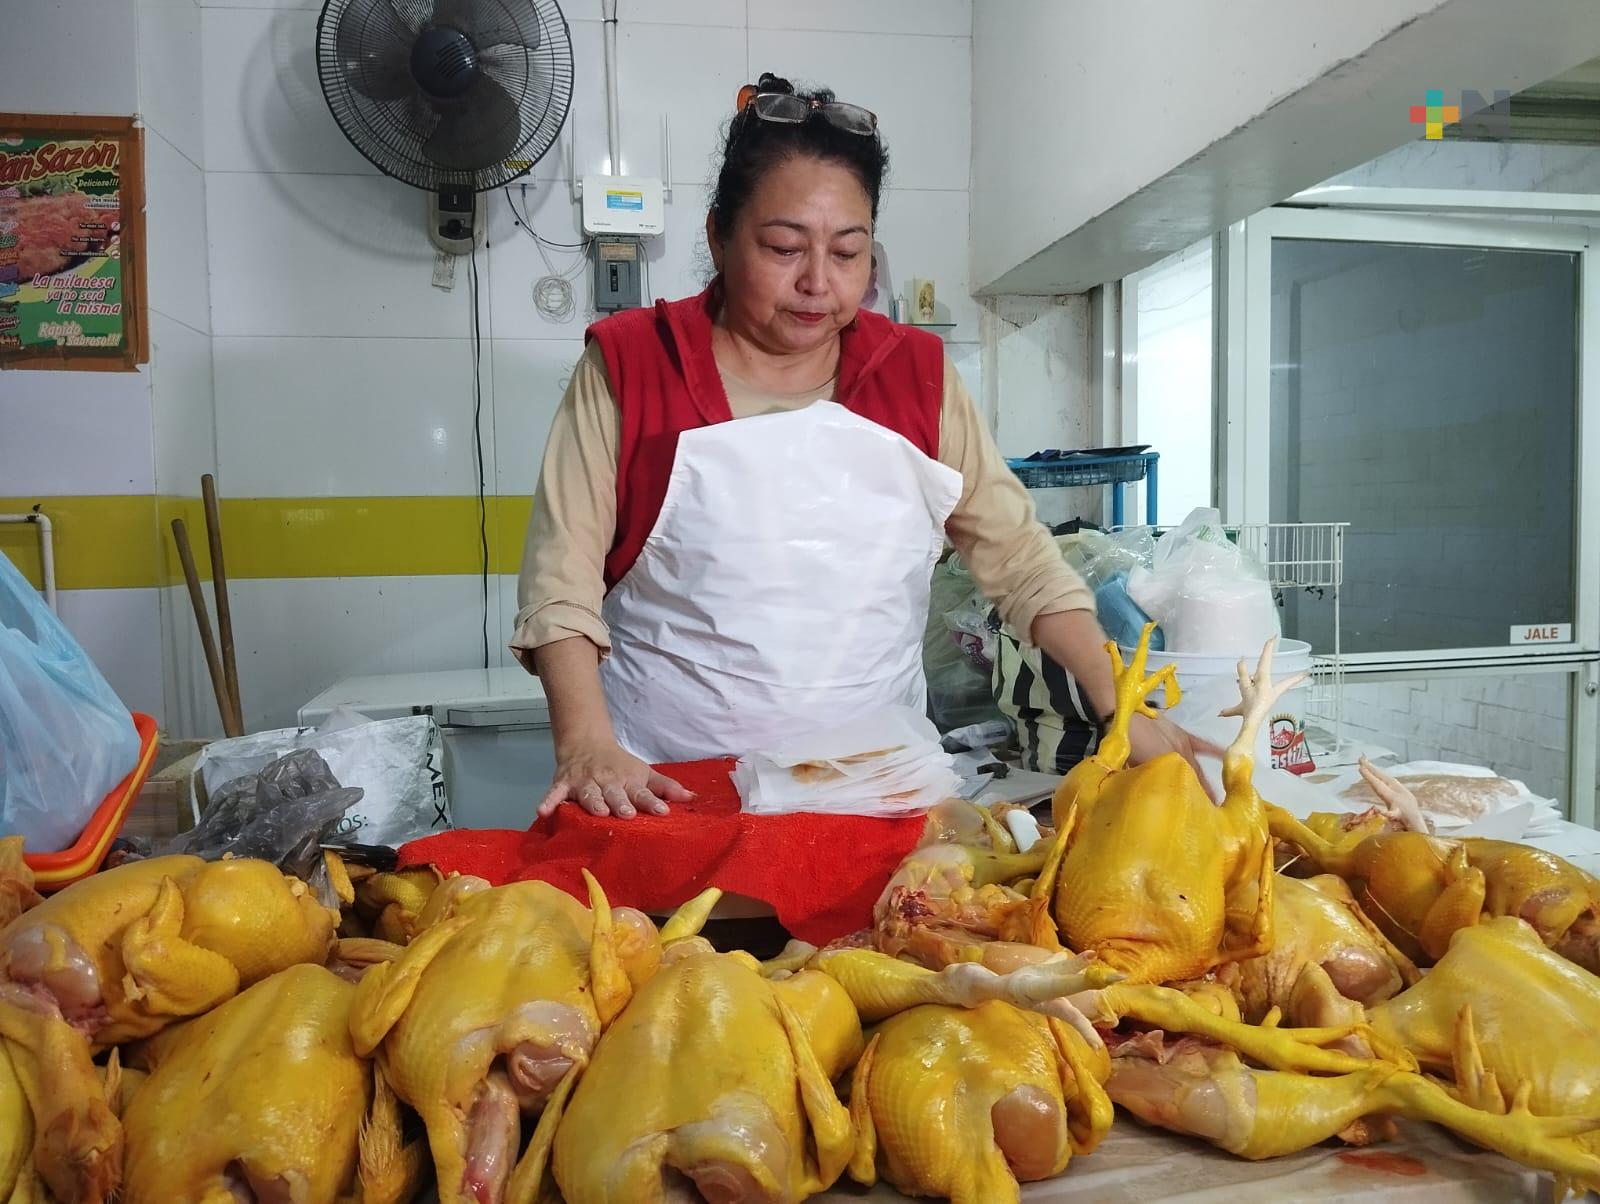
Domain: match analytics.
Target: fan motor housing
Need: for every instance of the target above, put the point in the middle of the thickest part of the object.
(443, 61)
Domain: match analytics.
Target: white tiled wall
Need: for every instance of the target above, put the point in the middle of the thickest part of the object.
(298, 636)
(341, 370)
(73, 58)
(171, 55)
(1516, 725)
(75, 433)
(70, 433)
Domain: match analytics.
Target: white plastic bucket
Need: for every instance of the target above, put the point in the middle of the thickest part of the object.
(1211, 684)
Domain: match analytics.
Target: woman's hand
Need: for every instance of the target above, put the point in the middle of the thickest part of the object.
(604, 779)
(1150, 737)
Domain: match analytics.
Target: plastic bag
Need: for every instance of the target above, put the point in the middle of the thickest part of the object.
(966, 617)
(281, 814)
(66, 740)
(397, 763)
(958, 683)
(1209, 595)
(1099, 556)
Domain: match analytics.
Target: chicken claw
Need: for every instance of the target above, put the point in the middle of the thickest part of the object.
(1299, 1049)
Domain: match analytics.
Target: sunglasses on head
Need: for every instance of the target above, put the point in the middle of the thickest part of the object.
(788, 109)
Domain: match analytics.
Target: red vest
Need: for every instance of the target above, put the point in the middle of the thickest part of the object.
(665, 381)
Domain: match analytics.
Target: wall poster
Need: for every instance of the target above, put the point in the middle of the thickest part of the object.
(72, 247)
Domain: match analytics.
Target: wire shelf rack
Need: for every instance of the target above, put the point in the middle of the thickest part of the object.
(1309, 557)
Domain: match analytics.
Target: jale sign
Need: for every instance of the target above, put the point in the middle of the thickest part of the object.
(1546, 633)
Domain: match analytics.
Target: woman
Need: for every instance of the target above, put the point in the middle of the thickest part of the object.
(744, 493)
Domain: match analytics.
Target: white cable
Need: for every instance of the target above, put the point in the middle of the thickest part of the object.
(552, 297)
(552, 292)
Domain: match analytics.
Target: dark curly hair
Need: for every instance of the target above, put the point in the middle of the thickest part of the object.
(752, 147)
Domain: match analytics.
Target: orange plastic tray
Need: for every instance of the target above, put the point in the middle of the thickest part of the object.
(52, 871)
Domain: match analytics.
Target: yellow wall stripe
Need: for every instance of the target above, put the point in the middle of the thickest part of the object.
(100, 542)
(125, 541)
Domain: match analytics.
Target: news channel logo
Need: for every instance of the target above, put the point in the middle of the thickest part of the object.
(1475, 115)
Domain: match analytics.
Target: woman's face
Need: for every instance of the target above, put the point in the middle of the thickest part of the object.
(797, 262)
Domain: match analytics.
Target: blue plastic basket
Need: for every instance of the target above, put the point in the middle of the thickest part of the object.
(1065, 470)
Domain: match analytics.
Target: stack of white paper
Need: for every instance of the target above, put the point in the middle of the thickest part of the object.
(888, 763)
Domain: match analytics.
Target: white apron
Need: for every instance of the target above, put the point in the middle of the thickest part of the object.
(783, 588)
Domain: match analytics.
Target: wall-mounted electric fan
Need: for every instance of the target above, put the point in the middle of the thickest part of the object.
(452, 96)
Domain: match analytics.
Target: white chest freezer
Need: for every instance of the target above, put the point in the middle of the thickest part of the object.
(498, 753)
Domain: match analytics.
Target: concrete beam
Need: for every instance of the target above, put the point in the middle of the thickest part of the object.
(1105, 139)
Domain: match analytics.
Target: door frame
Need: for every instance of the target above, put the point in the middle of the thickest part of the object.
(1443, 217)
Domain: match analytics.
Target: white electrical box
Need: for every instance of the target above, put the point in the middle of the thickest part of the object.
(623, 205)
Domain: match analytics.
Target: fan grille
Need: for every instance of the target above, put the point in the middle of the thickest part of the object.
(366, 43)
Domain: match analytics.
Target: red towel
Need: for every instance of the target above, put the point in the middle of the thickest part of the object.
(820, 873)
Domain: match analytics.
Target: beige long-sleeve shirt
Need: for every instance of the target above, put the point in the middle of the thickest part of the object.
(993, 527)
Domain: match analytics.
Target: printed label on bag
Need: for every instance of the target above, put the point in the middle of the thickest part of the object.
(1289, 748)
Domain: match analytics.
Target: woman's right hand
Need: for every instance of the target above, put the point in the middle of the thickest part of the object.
(604, 779)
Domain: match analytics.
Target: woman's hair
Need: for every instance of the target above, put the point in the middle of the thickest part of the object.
(752, 147)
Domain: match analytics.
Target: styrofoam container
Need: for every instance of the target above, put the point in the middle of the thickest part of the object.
(1211, 684)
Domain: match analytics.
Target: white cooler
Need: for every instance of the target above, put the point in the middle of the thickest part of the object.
(498, 753)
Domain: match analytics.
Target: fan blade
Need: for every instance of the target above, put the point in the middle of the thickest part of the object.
(489, 23)
(374, 46)
(481, 129)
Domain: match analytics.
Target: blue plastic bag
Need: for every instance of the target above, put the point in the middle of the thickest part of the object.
(66, 740)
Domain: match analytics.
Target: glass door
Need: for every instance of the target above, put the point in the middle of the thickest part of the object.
(1421, 378)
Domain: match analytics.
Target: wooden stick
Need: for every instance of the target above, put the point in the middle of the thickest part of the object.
(202, 619)
(219, 579)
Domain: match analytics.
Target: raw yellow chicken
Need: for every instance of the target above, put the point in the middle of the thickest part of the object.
(1145, 869)
(1523, 1078)
(968, 1102)
(261, 1099)
(1422, 889)
(119, 956)
(16, 883)
(1327, 963)
(497, 1000)
(710, 1082)
(1195, 1086)
(948, 903)
(1512, 1023)
(391, 904)
(126, 951)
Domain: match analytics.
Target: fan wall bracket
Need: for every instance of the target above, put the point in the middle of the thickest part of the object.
(456, 219)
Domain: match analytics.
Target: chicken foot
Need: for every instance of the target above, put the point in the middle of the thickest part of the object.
(1306, 1050)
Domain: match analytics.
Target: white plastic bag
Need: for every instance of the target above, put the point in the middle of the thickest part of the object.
(1210, 596)
(66, 740)
(398, 764)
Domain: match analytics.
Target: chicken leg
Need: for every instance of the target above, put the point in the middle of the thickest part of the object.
(880, 986)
